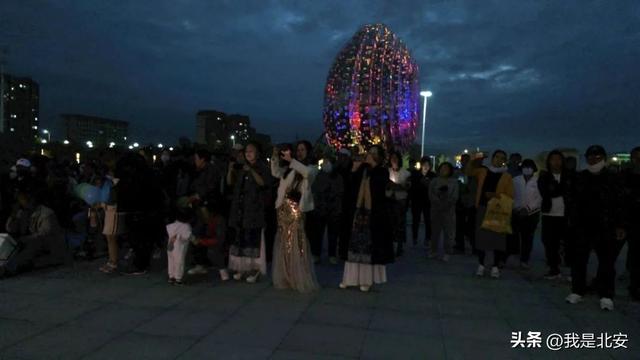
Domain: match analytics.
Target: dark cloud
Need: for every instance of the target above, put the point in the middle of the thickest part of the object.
(519, 75)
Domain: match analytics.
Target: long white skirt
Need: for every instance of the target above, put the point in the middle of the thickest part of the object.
(247, 264)
(356, 274)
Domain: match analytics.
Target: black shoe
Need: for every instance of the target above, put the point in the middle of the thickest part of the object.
(171, 281)
(553, 275)
(179, 283)
(134, 272)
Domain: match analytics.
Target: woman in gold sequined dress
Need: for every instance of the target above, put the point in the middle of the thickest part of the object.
(292, 259)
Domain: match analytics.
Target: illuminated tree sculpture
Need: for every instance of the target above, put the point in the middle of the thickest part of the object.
(371, 96)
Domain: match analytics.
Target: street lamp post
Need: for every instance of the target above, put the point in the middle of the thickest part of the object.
(233, 140)
(46, 132)
(424, 94)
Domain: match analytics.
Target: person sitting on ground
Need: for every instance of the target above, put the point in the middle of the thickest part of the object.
(35, 228)
(179, 234)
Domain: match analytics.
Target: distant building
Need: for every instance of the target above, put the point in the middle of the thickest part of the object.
(211, 128)
(100, 131)
(219, 130)
(20, 107)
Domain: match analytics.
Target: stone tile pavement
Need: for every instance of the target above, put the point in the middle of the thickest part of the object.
(429, 310)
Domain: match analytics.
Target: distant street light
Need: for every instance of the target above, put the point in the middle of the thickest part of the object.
(89, 144)
(46, 132)
(112, 144)
(44, 141)
(170, 149)
(130, 147)
(66, 142)
(160, 146)
(424, 94)
(135, 144)
(233, 140)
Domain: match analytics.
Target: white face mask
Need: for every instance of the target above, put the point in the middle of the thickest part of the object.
(596, 168)
(327, 166)
(527, 171)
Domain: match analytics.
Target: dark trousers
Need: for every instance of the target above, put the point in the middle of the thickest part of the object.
(320, 223)
(601, 241)
(270, 230)
(554, 234)
(141, 237)
(524, 229)
(465, 226)
(398, 219)
(498, 257)
(421, 211)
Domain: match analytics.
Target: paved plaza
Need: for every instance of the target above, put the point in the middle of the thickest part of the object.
(429, 310)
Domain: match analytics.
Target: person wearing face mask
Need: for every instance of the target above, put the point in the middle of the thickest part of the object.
(631, 183)
(526, 211)
(493, 181)
(397, 193)
(598, 219)
(371, 244)
(419, 198)
(555, 184)
(328, 190)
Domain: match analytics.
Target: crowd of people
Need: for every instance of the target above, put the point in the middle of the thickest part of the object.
(238, 212)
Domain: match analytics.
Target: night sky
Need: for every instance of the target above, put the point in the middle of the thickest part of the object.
(522, 75)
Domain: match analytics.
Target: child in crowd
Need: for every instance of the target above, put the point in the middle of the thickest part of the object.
(180, 235)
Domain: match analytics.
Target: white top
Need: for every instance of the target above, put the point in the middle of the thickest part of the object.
(526, 194)
(308, 174)
(181, 231)
(557, 203)
(400, 177)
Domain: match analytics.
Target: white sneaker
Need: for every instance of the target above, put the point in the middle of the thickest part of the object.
(224, 275)
(237, 276)
(342, 286)
(480, 271)
(197, 270)
(574, 298)
(606, 304)
(495, 272)
(252, 279)
(364, 288)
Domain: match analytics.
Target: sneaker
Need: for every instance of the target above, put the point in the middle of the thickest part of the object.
(237, 276)
(342, 286)
(179, 282)
(495, 272)
(333, 260)
(171, 281)
(252, 279)
(480, 271)
(573, 298)
(197, 270)
(224, 275)
(364, 288)
(606, 304)
(553, 275)
(108, 268)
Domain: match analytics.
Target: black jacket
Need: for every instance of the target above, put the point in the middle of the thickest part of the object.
(631, 189)
(550, 188)
(596, 201)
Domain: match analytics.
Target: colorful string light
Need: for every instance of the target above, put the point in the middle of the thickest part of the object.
(371, 96)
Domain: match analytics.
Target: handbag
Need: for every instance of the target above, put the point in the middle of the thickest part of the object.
(498, 215)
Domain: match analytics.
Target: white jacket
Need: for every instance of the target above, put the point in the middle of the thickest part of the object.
(308, 174)
(526, 194)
